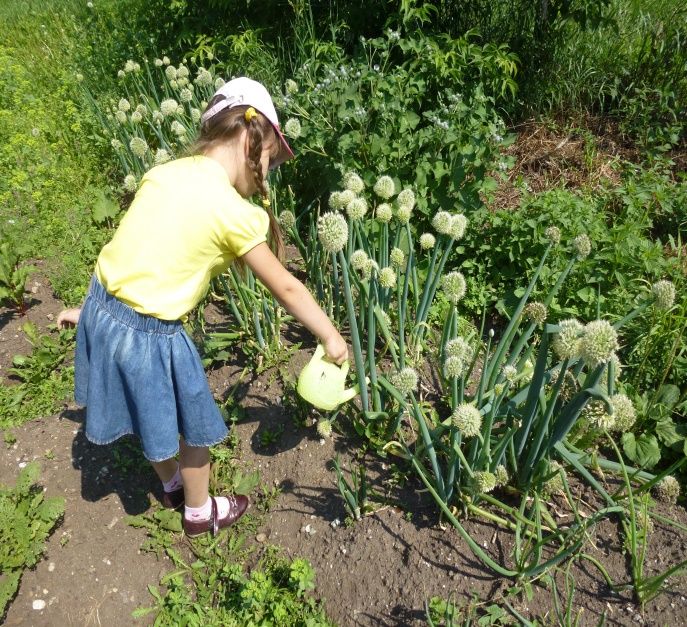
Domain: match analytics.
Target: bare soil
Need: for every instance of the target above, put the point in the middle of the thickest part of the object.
(379, 571)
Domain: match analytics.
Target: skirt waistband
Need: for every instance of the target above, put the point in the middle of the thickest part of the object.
(129, 316)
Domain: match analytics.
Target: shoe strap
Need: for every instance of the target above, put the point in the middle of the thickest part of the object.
(214, 518)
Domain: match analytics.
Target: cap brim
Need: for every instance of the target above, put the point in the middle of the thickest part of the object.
(285, 152)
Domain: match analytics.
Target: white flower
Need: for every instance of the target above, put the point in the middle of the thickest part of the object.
(353, 182)
(667, 489)
(332, 231)
(403, 213)
(427, 241)
(598, 343)
(664, 292)
(405, 381)
(459, 348)
(120, 116)
(136, 117)
(287, 220)
(204, 77)
(582, 246)
(482, 482)
(467, 419)
(178, 128)
(182, 71)
(387, 277)
(138, 146)
(171, 73)
(291, 87)
(458, 224)
(195, 115)
(453, 286)
(161, 156)
(124, 105)
(442, 222)
(158, 118)
(536, 312)
(397, 257)
(384, 213)
(324, 428)
(357, 208)
(186, 95)
(406, 199)
(158, 62)
(292, 128)
(623, 412)
(359, 259)
(553, 233)
(130, 183)
(219, 82)
(384, 187)
(566, 343)
(129, 66)
(165, 60)
(169, 107)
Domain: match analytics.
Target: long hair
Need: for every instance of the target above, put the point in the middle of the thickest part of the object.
(224, 127)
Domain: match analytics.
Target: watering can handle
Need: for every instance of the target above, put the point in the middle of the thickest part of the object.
(320, 353)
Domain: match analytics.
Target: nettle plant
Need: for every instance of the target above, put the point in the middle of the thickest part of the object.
(388, 110)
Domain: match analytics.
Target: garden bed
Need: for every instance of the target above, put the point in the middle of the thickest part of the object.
(378, 571)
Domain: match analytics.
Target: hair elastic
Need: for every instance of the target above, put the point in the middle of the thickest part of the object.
(250, 114)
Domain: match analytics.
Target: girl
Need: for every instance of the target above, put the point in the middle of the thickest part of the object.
(136, 370)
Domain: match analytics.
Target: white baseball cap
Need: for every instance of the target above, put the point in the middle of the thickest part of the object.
(243, 91)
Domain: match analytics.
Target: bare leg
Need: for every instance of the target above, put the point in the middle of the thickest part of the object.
(165, 469)
(194, 462)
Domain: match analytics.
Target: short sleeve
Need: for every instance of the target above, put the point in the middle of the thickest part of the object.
(247, 229)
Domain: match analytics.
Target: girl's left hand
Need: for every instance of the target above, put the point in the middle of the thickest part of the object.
(68, 318)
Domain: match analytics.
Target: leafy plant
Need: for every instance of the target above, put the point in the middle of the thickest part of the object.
(26, 520)
(13, 276)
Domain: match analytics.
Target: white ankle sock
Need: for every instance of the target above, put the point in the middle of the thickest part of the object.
(205, 511)
(174, 482)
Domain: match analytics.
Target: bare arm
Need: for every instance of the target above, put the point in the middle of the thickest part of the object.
(296, 299)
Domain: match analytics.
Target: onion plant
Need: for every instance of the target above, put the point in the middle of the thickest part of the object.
(513, 400)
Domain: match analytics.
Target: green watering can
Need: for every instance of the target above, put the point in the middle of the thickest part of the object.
(321, 382)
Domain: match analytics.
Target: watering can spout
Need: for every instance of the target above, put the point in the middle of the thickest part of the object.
(322, 383)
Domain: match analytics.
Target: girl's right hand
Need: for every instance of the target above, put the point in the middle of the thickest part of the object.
(68, 318)
(336, 349)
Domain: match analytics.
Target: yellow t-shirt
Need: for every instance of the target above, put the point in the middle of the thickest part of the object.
(185, 225)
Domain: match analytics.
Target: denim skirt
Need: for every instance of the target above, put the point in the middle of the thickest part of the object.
(138, 374)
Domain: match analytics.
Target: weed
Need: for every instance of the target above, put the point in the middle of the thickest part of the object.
(13, 277)
(267, 498)
(26, 520)
(270, 437)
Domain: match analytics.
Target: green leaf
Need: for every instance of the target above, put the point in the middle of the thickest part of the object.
(643, 451)
(245, 485)
(666, 433)
(8, 587)
(668, 395)
(104, 208)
